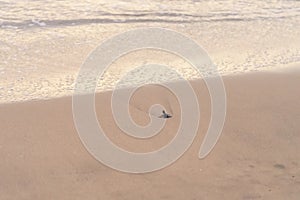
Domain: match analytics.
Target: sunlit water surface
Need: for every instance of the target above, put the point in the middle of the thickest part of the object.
(44, 43)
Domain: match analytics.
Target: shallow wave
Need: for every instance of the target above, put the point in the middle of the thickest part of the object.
(173, 18)
(27, 14)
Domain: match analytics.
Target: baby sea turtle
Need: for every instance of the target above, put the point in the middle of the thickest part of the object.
(165, 115)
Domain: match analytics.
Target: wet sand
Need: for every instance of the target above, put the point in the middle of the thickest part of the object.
(257, 156)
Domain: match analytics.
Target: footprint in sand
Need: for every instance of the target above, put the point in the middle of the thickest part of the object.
(279, 166)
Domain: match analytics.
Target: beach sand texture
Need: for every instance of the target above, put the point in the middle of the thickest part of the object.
(257, 156)
(253, 44)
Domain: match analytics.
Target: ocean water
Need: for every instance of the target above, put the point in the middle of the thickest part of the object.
(43, 43)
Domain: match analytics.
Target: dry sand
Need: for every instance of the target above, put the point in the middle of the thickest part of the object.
(257, 156)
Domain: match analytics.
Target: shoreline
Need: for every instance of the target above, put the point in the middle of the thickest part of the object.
(291, 67)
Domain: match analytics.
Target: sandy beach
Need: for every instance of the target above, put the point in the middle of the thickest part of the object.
(257, 156)
(51, 50)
